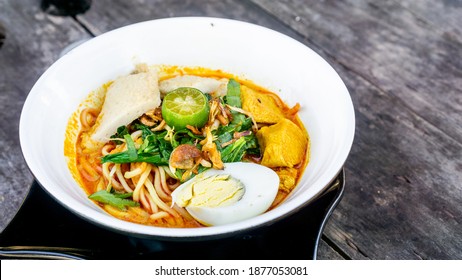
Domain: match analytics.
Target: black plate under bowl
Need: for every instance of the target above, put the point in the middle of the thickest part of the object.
(43, 229)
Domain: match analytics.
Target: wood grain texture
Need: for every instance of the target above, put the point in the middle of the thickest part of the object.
(327, 252)
(403, 194)
(100, 19)
(32, 42)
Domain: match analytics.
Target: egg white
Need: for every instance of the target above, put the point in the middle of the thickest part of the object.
(261, 186)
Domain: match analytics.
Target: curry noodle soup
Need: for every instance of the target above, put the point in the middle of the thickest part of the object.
(174, 146)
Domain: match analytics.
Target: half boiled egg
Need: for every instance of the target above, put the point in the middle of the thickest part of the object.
(217, 197)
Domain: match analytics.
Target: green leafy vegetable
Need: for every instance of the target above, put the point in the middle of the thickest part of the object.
(131, 150)
(233, 98)
(121, 131)
(144, 128)
(184, 136)
(241, 122)
(251, 146)
(154, 158)
(154, 149)
(236, 151)
(114, 199)
(224, 137)
(238, 120)
(233, 95)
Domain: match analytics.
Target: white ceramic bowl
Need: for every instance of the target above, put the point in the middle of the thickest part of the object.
(264, 56)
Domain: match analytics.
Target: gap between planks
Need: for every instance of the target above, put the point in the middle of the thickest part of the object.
(331, 243)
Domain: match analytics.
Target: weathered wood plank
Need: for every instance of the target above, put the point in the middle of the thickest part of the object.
(443, 15)
(32, 42)
(326, 252)
(412, 199)
(99, 19)
(403, 194)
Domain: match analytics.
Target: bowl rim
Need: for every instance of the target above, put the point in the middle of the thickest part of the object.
(174, 233)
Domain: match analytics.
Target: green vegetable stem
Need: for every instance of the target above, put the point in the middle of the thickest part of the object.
(114, 199)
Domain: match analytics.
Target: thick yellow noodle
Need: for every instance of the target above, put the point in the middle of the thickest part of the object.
(150, 187)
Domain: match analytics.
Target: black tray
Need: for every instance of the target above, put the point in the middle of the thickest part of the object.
(43, 229)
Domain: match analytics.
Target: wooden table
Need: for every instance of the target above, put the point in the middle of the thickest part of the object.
(401, 61)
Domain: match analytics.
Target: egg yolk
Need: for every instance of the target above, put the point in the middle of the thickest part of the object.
(211, 191)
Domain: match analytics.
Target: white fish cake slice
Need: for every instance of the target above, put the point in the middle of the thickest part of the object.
(206, 85)
(127, 98)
